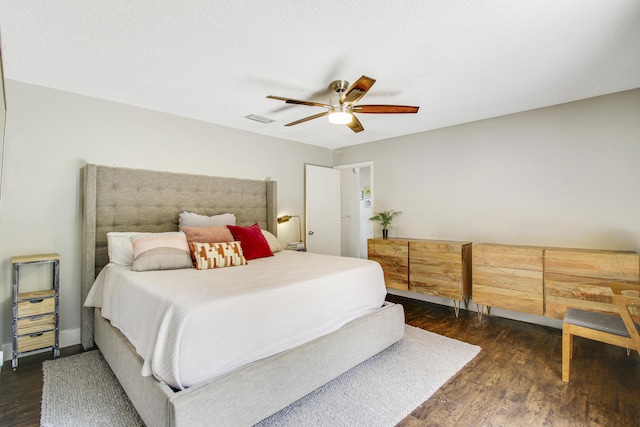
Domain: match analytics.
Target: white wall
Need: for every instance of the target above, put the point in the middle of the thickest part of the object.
(567, 176)
(52, 134)
(561, 176)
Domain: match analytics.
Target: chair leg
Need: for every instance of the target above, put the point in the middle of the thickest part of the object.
(567, 350)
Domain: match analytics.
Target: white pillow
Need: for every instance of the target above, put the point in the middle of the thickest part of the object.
(274, 243)
(120, 248)
(190, 219)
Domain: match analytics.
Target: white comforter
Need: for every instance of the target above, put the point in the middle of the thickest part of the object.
(191, 325)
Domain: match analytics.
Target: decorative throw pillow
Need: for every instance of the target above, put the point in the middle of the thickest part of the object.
(160, 251)
(274, 243)
(254, 244)
(216, 255)
(208, 234)
(191, 219)
(119, 247)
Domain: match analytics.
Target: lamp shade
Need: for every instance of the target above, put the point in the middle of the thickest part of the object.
(285, 218)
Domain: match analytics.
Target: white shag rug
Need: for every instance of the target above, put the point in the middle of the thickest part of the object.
(81, 390)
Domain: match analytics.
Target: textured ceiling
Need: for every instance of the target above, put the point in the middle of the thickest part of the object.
(460, 61)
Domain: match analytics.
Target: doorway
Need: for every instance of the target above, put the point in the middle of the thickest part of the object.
(356, 207)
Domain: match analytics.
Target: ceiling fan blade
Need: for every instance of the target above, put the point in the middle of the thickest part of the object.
(357, 90)
(299, 102)
(388, 109)
(355, 125)
(306, 119)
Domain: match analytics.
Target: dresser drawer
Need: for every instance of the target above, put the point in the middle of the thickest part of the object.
(36, 341)
(30, 325)
(35, 307)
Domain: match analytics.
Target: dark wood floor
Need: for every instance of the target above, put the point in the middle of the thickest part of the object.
(516, 378)
(21, 390)
(514, 381)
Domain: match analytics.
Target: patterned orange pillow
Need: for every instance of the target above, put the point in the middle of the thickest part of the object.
(216, 255)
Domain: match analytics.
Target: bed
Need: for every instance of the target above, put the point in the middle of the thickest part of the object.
(121, 199)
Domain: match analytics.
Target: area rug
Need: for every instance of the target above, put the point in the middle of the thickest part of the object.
(81, 390)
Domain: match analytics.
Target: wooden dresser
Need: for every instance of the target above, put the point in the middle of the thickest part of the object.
(509, 277)
(433, 267)
(545, 281)
(393, 256)
(580, 278)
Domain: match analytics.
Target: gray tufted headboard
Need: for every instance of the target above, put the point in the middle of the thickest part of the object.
(121, 199)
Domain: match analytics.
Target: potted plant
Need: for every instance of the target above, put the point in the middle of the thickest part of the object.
(385, 218)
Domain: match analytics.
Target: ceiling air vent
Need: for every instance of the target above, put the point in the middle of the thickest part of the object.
(257, 118)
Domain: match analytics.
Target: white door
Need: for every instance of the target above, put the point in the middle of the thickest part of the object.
(322, 209)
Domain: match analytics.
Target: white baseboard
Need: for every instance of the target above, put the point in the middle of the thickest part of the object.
(67, 338)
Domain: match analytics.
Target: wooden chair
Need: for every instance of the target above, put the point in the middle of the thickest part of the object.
(621, 330)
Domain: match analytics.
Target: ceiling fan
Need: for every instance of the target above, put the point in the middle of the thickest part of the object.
(341, 107)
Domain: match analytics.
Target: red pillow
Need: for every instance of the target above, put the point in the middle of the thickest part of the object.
(254, 244)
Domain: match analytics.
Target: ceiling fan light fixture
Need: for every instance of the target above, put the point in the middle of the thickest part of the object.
(340, 116)
(343, 101)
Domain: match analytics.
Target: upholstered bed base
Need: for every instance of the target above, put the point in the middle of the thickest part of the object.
(251, 393)
(120, 199)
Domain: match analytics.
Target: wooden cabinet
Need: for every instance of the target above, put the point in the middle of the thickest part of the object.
(545, 281)
(440, 268)
(393, 256)
(509, 277)
(432, 267)
(529, 279)
(35, 314)
(580, 278)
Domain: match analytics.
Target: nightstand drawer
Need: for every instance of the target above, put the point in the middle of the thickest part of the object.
(30, 325)
(35, 307)
(36, 341)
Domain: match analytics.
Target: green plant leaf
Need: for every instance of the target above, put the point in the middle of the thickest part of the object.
(385, 218)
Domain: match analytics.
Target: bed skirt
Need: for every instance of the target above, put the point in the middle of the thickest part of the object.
(253, 392)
